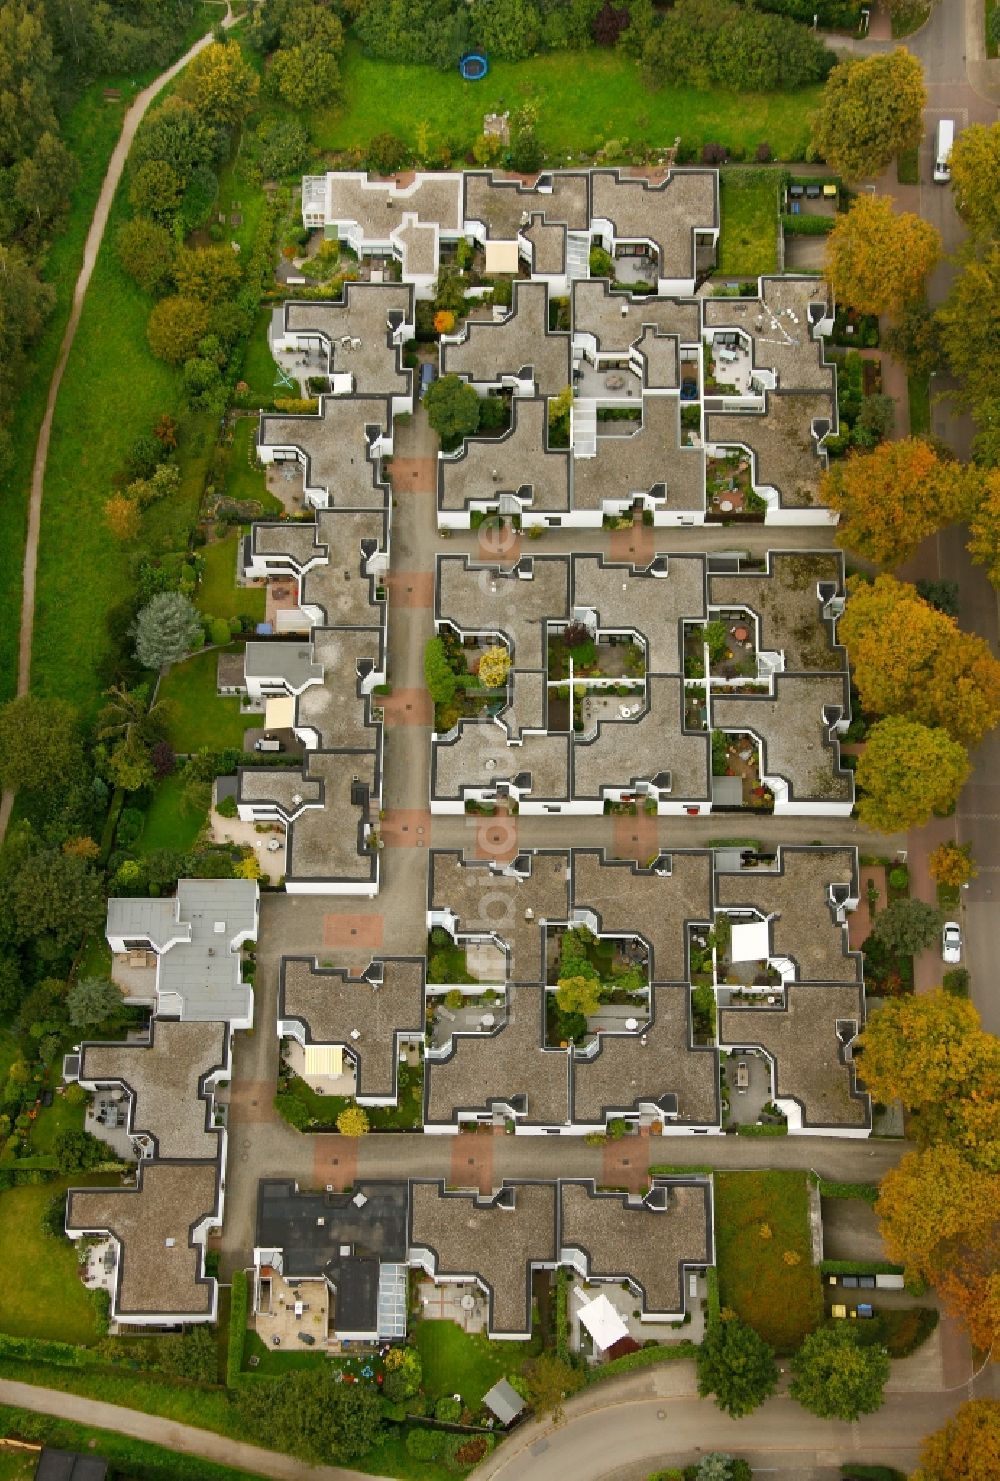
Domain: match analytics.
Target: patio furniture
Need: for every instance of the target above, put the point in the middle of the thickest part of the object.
(614, 381)
(740, 634)
(725, 505)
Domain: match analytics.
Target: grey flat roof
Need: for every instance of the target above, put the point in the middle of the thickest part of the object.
(289, 663)
(375, 363)
(794, 731)
(518, 461)
(656, 606)
(336, 445)
(491, 351)
(786, 600)
(636, 463)
(797, 895)
(487, 901)
(632, 901)
(487, 599)
(786, 454)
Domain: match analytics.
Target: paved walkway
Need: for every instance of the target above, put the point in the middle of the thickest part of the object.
(95, 236)
(182, 1439)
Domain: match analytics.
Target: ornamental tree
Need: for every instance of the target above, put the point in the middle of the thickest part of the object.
(975, 170)
(93, 1000)
(352, 1121)
(166, 629)
(494, 666)
(952, 864)
(910, 659)
(736, 1365)
(906, 926)
(967, 1448)
(871, 109)
(877, 259)
(452, 409)
(835, 1378)
(892, 498)
(906, 772)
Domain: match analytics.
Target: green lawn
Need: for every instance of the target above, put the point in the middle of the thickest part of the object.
(584, 100)
(259, 370)
(782, 1301)
(748, 236)
(42, 1294)
(324, 1109)
(51, 1120)
(991, 47)
(200, 716)
(168, 823)
(244, 477)
(218, 595)
(457, 1363)
(16, 1465)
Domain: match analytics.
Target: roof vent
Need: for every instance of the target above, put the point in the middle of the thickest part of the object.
(169, 1243)
(219, 928)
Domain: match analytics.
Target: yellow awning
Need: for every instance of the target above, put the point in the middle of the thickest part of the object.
(279, 713)
(501, 257)
(324, 1059)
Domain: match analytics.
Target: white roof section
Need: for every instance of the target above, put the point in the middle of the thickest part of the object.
(602, 1321)
(751, 941)
(501, 257)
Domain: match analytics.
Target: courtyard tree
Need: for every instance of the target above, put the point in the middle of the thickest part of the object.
(352, 1121)
(892, 498)
(452, 409)
(877, 259)
(166, 630)
(975, 170)
(967, 1448)
(494, 666)
(40, 746)
(870, 110)
(952, 864)
(835, 1378)
(736, 1365)
(93, 1000)
(439, 676)
(579, 995)
(910, 659)
(907, 772)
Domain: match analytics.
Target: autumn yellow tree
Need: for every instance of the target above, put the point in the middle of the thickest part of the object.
(494, 666)
(352, 1121)
(122, 517)
(444, 321)
(967, 1448)
(952, 864)
(933, 1201)
(910, 659)
(906, 772)
(984, 526)
(877, 259)
(221, 85)
(928, 1051)
(870, 109)
(975, 170)
(892, 498)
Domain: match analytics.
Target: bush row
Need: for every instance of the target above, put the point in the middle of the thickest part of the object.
(237, 1327)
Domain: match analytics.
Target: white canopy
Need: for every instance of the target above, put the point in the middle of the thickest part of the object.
(501, 257)
(751, 941)
(603, 1322)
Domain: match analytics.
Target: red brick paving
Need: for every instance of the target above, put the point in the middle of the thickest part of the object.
(414, 475)
(637, 545)
(635, 838)
(499, 545)
(400, 828)
(496, 838)
(353, 930)
(625, 1164)
(410, 588)
(253, 1100)
(335, 1161)
(472, 1161)
(408, 707)
(956, 1353)
(859, 922)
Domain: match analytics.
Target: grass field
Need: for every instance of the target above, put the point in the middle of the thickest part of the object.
(783, 1301)
(42, 1294)
(168, 824)
(748, 235)
(200, 716)
(259, 370)
(584, 100)
(244, 478)
(218, 595)
(456, 1362)
(51, 1121)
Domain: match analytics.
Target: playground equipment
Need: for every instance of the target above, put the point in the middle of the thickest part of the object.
(474, 66)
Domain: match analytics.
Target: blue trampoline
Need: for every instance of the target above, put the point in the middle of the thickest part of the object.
(474, 66)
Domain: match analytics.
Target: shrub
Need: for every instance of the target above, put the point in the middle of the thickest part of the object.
(226, 807)
(899, 877)
(956, 982)
(237, 1327)
(448, 1410)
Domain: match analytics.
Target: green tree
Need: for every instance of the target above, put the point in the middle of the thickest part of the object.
(968, 322)
(176, 326)
(40, 745)
(52, 899)
(220, 84)
(870, 111)
(146, 252)
(906, 772)
(560, 412)
(78, 1151)
(975, 170)
(157, 189)
(548, 1382)
(984, 527)
(177, 133)
(836, 1378)
(44, 179)
(439, 676)
(914, 338)
(128, 715)
(906, 926)
(403, 1373)
(93, 1000)
(736, 1365)
(165, 630)
(452, 410)
(212, 274)
(305, 69)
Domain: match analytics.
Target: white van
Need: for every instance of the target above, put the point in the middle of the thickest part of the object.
(942, 151)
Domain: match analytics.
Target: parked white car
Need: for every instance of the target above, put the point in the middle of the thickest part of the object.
(951, 941)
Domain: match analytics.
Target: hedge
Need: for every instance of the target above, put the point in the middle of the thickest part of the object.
(41, 1350)
(714, 1304)
(237, 1328)
(646, 1357)
(807, 226)
(867, 1192)
(768, 1129)
(859, 1267)
(562, 1316)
